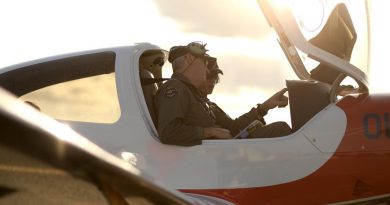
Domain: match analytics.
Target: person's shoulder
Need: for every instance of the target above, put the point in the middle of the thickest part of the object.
(171, 88)
(173, 83)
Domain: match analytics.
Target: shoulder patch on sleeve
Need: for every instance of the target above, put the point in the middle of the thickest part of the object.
(170, 92)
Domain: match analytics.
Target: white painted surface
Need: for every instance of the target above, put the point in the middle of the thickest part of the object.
(215, 163)
(248, 163)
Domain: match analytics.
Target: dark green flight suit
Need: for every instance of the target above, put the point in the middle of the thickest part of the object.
(182, 114)
(275, 129)
(234, 126)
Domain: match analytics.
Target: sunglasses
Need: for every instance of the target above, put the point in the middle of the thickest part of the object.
(213, 76)
(211, 62)
(205, 61)
(159, 61)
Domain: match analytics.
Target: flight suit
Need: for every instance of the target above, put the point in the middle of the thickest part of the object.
(234, 126)
(275, 129)
(182, 114)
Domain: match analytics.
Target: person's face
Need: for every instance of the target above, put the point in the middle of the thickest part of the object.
(156, 66)
(210, 84)
(201, 69)
(197, 71)
(153, 63)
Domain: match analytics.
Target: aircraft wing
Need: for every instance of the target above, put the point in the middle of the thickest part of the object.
(45, 162)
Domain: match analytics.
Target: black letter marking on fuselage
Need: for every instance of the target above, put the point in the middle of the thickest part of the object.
(387, 124)
(378, 127)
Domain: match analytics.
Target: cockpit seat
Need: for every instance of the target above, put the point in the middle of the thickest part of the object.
(307, 98)
(337, 37)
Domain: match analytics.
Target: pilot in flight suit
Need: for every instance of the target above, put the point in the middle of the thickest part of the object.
(275, 129)
(183, 117)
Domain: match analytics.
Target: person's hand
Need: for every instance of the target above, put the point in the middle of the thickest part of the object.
(215, 132)
(278, 99)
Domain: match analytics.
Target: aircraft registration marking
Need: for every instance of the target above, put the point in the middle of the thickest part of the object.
(375, 125)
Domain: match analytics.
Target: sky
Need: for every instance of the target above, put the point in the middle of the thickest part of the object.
(235, 31)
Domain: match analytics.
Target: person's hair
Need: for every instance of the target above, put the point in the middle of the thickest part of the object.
(178, 64)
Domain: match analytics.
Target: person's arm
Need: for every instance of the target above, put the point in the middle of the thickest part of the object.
(175, 132)
(172, 105)
(278, 99)
(215, 132)
(235, 125)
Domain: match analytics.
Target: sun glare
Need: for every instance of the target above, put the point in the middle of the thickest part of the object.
(310, 14)
(379, 45)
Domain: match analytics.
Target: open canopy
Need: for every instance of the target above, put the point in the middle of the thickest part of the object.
(323, 40)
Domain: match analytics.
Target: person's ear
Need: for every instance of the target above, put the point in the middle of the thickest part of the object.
(189, 58)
